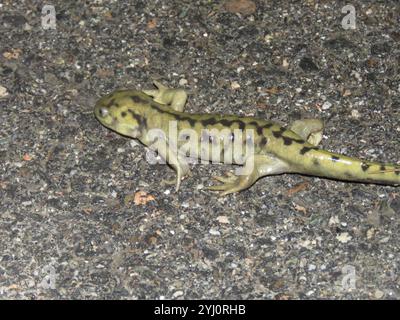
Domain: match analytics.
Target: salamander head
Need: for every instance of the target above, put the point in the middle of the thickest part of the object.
(122, 111)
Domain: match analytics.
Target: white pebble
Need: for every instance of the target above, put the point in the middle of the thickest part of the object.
(214, 232)
(177, 294)
(326, 105)
(183, 82)
(3, 92)
(344, 237)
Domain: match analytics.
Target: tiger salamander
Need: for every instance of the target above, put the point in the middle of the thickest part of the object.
(274, 149)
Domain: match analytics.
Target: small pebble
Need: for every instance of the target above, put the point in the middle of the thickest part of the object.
(326, 105)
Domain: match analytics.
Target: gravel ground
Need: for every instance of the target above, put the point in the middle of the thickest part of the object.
(70, 227)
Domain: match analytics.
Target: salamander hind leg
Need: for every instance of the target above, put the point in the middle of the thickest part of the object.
(256, 166)
(175, 98)
(308, 129)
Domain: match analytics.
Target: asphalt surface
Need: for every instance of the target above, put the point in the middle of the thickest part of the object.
(70, 225)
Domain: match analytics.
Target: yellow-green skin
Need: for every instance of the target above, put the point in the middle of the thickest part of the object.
(276, 149)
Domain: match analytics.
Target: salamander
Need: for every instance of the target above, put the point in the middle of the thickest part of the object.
(157, 119)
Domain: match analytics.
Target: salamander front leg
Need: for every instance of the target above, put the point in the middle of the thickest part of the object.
(167, 151)
(308, 129)
(175, 98)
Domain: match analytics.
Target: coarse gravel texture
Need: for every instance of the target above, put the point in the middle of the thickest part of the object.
(68, 226)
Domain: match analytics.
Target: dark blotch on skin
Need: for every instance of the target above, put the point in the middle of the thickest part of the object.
(137, 99)
(364, 166)
(278, 134)
(263, 141)
(228, 123)
(382, 168)
(191, 121)
(268, 125)
(123, 114)
(287, 141)
(304, 150)
(316, 162)
(335, 158)
(397, 171)
(260, 130)
(141, 121)
(209, 122)
(242, 125)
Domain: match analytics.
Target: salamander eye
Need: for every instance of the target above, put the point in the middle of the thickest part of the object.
(103, 112)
